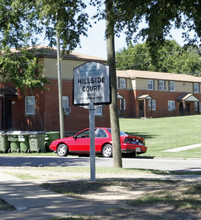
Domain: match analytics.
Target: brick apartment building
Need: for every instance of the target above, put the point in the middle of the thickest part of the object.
(156, 94)
(39, 110)
(140, 94)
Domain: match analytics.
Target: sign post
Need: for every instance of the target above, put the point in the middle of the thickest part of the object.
(92, 142)
(91, 87)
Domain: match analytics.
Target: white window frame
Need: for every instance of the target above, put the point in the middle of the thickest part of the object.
(122, 104)
(150, 84)
(122, 83)
(196, 104)
(171, 105)
(65, 105)
(196, 87)
(172, 86)
(98, 111)
(161, 85)
(30, 104)
(153, 105)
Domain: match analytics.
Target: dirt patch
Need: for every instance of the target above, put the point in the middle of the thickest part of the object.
(133, 198)
(137, 199)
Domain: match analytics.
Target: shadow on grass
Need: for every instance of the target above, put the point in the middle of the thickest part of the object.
(145, 135)
(75, 189)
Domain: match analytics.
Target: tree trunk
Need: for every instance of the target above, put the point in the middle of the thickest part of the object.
(114, 119)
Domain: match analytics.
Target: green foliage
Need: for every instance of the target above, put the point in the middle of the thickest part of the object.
(173, 59)
(159, 16)
(67, 18)
(20, 24)
(21, 68)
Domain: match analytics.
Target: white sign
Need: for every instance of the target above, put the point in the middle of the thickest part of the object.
(91, 84)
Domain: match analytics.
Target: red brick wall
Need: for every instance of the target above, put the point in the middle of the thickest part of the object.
(161, 97)
(78, 118)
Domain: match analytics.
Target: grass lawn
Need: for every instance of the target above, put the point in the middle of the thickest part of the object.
(166, 133)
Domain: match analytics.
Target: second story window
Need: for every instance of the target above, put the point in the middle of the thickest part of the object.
(122, 83)
(196, 87)
(161, 85)
(150, 84)
(172, 86)
(30, 105)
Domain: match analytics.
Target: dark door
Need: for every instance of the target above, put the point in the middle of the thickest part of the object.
(181, 108)
(141, 108)
(6, 114)
(188, 108)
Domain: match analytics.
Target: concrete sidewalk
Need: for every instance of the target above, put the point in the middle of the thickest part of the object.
(36, 203)
(178, 149)
(33, 202)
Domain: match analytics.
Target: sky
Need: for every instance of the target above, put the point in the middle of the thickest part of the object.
(95, 43)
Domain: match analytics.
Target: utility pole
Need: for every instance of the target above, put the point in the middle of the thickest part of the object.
(59, 74)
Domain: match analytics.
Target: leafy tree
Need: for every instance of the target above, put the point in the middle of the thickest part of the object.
(20, 24)
(160, 16)
(173, 58)
(67, 18)
(21, 68)
(16, 30)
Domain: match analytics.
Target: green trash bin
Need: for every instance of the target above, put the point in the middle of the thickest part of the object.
(4, 144)
(23, 138)
(13, 139)
(49, 137)
(36, 141)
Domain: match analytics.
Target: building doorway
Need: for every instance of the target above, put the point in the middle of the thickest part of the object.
(188, 108)
(141, 108)
(6, 114)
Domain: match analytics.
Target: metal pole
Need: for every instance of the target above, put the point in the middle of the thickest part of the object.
(61, 118)
(92, 141)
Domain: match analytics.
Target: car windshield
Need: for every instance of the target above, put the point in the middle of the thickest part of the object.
(121, 132)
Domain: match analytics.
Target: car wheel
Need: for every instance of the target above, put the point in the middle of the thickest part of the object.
(62, 150)
(107, 150)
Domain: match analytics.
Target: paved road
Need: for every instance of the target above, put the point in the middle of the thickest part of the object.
(139, 163)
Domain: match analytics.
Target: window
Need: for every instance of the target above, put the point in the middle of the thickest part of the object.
(122, 104)
(196, 88)
(30, 105)
(196, 106)
(161, 85)
(172, 86)
(84, 134)
(149, 104)
(152, 104)
(100, 133)
(98, 111)
(171, 105)
(65, 105)
(122, 83)
(150, 84)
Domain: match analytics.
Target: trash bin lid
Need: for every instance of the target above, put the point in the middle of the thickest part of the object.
(36, 132)
(14, 132)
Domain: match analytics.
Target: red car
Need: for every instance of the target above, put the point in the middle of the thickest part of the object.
(80, 143)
